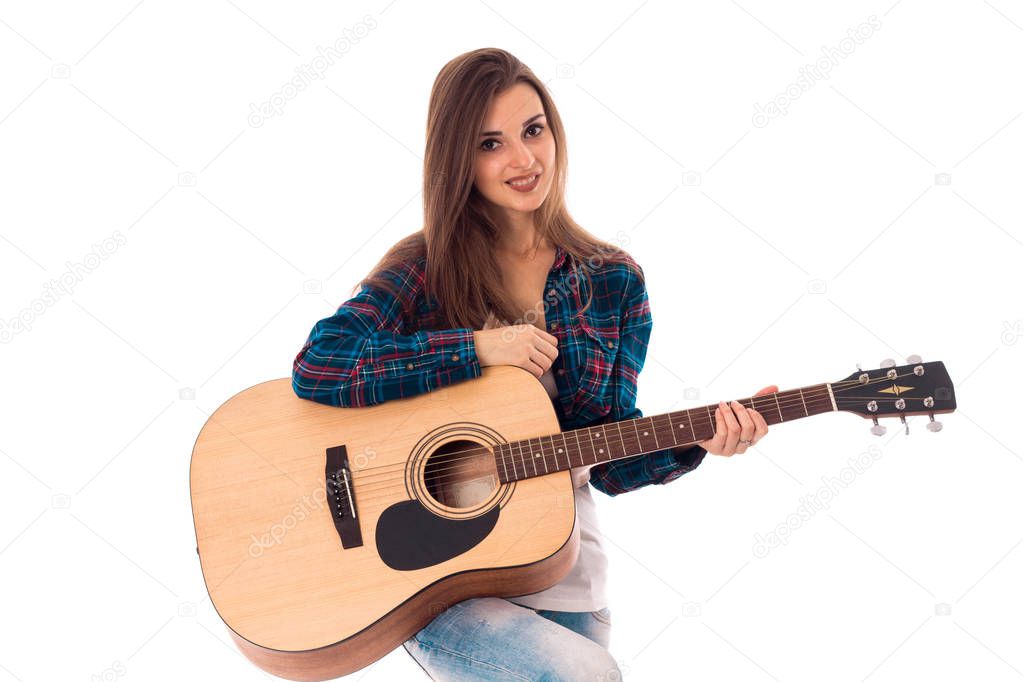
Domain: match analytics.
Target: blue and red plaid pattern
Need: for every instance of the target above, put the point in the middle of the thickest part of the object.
(368, 352)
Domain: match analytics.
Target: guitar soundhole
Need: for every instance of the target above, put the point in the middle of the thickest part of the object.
(461, 474)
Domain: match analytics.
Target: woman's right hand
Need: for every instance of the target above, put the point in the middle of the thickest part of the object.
(522, 345)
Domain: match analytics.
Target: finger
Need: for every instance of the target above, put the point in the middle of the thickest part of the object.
(548, 349)
(715, 443)
(535, 369)
(733, 429)
(767, 389)
(761, 425)
(746, 425)
(540, 359)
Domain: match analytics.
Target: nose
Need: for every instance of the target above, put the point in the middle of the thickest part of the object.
(521, 156)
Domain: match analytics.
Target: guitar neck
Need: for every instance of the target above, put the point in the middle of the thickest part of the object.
(617, 440)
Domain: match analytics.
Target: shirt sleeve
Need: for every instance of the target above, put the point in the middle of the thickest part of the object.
(360, 356)
(661, 466)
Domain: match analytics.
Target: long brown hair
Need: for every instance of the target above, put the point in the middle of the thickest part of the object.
(458, 234)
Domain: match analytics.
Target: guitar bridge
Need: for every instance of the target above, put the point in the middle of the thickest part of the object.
(341, 497)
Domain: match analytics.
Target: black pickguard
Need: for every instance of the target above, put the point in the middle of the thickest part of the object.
(410, 537)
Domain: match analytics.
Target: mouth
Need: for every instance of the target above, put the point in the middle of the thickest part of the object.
(526, 184)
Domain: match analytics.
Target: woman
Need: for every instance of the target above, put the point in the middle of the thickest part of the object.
(498, 245)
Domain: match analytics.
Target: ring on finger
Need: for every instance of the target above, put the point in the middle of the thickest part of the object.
(747, 442)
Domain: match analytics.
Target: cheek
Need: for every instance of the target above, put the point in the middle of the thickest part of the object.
(488, 172)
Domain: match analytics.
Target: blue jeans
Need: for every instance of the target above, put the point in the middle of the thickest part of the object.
(493, 639)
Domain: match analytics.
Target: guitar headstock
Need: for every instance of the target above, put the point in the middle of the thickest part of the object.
(916, 388)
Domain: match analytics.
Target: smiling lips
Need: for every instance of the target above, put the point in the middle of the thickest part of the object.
(524, 183)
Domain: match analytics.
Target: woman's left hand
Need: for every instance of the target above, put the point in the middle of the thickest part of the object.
(737, 427)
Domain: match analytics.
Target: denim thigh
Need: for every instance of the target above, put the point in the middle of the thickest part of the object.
(493, 639)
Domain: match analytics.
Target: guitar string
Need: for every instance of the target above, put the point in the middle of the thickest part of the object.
(383, 486)
(462, 456)
(516, 460)
(509, 462)
(370, 492)
(787, 402)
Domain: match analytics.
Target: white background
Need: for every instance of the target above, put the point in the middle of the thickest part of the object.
(878, 217)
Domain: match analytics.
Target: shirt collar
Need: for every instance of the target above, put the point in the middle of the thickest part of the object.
(560, 256)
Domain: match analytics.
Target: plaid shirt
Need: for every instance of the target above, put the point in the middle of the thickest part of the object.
(368, 352)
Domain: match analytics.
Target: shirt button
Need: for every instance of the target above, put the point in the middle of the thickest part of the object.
(410, 366)
(554, 325)
(561, 371)
(610, 344)
(454, 357)
(552, 292)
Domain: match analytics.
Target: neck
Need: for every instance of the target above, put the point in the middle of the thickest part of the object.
(616, 440)
(518, 234)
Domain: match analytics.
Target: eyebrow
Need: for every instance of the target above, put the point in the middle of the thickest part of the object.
(524, 124)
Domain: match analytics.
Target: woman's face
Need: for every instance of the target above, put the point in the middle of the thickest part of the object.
(516, 142)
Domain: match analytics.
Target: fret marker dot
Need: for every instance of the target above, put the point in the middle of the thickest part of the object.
(598, 435)
(602, 449)
(644, 433)
(560, 450)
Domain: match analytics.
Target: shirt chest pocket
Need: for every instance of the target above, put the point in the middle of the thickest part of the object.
(599, 337)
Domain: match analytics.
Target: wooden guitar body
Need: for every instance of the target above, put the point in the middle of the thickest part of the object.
(317, 576)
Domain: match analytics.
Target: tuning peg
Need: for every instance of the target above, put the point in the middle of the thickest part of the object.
(933, 425)
(903, 418)
(913, 359)
(886, 363)
(877, 429)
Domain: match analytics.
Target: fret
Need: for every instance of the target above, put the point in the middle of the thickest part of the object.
(578, 448)
(533, 456)
(557, 464)
(639, 441)
(653, 429)
(511, 454)
(522, 460)
(801, 397)
(545, 470)
(780, 417)
(504, 464)
(621, 439)
(597, 439)
(692, 429)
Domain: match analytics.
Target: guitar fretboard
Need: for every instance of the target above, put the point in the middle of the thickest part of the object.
(616, 440)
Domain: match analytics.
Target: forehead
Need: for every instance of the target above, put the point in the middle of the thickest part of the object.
(512, 106)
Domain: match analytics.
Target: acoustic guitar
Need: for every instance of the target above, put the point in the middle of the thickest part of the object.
(328, 536)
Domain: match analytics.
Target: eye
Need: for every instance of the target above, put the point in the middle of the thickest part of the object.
(484, 147)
